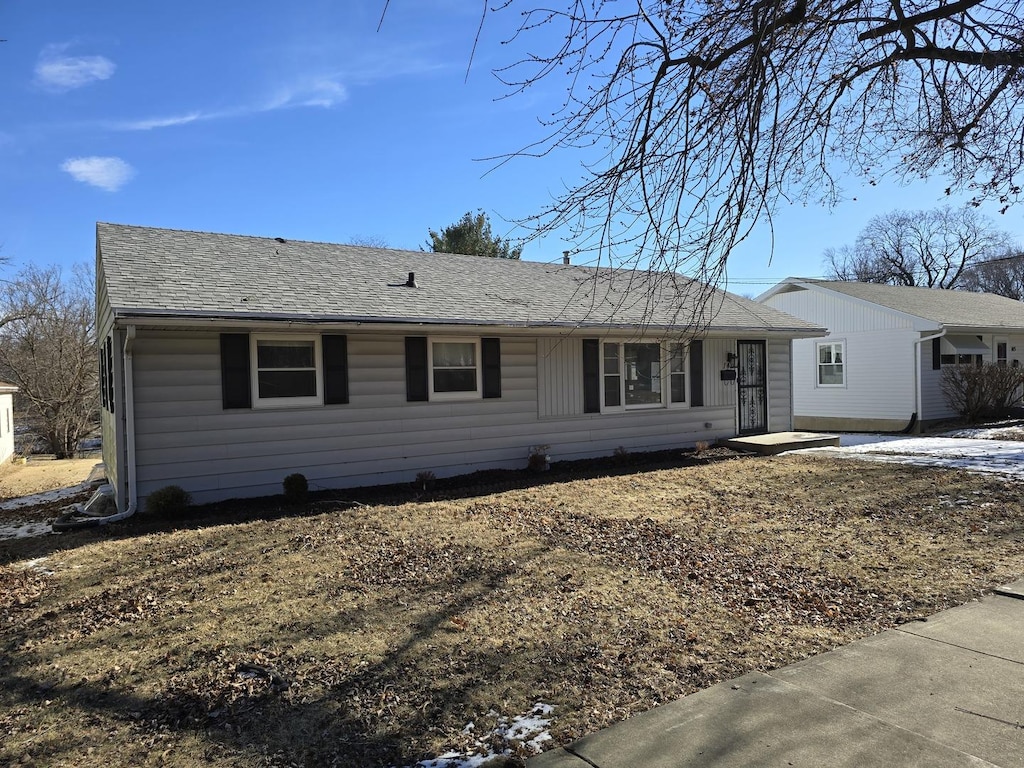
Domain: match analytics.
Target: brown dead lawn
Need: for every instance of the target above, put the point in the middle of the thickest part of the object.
(371, 635)
(39, 475)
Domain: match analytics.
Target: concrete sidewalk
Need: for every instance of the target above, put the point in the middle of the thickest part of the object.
(948, 691)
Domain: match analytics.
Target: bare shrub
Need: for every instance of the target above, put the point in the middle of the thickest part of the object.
(980, 391)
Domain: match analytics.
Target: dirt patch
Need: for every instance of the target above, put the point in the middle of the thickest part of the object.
(40, 475)
(374, 634)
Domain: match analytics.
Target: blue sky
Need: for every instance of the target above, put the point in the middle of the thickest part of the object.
(302, 120)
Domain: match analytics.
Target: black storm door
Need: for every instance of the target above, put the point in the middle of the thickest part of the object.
(752, 385)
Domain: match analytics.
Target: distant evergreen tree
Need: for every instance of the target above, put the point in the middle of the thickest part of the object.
(472, 235)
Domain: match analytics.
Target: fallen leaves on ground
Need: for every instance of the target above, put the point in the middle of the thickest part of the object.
(374, 634)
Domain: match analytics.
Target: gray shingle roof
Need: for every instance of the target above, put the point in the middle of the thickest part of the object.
(173, 273)
(950, 308)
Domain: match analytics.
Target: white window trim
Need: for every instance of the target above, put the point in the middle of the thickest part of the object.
(475, 395)
(667, 383)
(285, 402)
(666, 378)
(841, 343)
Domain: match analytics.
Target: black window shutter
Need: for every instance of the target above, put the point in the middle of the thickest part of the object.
(696, 372)
(416, 368)
(335, 350)
(110, 373)
(103, 377)
(234, 370)
(591, 376)
(490, 351)
(936, 354)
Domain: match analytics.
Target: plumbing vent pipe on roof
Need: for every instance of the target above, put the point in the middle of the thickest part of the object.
(411, 282)
(565, 258)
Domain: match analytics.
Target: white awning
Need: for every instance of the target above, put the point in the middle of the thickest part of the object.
(964, 345)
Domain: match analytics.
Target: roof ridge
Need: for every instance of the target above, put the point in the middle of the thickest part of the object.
(532, 262)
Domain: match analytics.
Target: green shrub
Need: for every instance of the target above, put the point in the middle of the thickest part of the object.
(168, 501)
(296, 488)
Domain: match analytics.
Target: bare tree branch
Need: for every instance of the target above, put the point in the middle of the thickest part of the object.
(939, 248)
(711, 113)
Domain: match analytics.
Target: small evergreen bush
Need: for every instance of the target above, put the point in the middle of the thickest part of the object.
(296, 488)
(168, 501)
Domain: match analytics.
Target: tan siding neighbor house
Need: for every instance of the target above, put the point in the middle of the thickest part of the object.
(230, 362)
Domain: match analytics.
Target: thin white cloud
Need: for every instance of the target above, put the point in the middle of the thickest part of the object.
(149, 124)
(309, 92)
(323, 92)
(109, 173)
(57, 71)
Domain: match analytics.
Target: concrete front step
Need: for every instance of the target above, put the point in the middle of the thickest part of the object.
(778, 442)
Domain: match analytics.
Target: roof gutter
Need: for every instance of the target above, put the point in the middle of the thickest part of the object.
(207, 322)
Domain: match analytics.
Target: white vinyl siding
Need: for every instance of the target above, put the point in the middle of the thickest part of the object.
(933, 402)
(6, 431)
(111, 434)
(879, 386)
(559, 371)
(780, 403)
(185, 437)
(837, 312)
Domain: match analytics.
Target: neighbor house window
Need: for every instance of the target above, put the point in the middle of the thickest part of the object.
(286, 370)
(454, 368)
(959, 359)
(636, 375)
(831, 364)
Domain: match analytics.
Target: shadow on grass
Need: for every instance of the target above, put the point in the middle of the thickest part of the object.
(235, 511)
(250, 705)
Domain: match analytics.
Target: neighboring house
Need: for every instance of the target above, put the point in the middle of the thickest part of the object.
(880, 367)
(229, 362)
(7, 421)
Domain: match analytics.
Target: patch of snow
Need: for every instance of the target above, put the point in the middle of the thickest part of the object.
(36, 564)
(993, 432)
(527, 731)
(1004, 457)
(846, 440)
(44, 498)
(24, 530)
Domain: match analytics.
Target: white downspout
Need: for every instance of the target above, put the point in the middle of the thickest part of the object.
(917, 370)
(80, 517)
(129, 428)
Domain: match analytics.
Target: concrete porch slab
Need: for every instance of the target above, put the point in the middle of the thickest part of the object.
(779, 442)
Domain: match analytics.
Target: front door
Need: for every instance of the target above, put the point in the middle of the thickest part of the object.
(752, 384)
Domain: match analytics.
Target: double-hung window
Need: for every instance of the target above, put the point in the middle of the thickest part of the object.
(638, 375)
(831, 364)
(287, 371)
(677, 373)
(455, 370)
